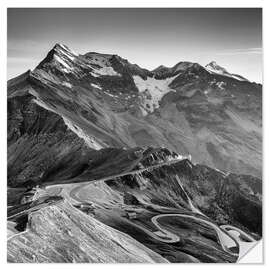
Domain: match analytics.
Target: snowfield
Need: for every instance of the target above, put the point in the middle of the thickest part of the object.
(106, 71)
(153, 90)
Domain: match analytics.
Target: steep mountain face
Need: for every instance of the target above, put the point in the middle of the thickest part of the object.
(99, 148)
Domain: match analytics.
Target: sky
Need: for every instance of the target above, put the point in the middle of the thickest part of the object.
(148, 37)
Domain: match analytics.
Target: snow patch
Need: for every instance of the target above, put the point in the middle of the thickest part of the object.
(67, 84)
(152, 90)
(66, 49)
(220, 85)
(66, 70)
(39, 102)
(63, 63)
(43, 105)
(68, 55)
(96, 86)
(110, 94)
(93, 74)
(223, 72)
(179, 157)
(223, 173)
(101, 65)
(212, 71)
(239, 78)
(106, 71)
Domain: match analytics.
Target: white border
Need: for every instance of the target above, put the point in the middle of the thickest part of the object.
(134, 3)
(130, 3)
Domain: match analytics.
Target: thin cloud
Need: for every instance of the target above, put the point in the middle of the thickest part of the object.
(241, 51)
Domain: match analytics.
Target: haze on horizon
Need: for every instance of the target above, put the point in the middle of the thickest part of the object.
(148, 37)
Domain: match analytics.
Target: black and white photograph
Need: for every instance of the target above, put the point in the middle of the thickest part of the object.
(134, 135)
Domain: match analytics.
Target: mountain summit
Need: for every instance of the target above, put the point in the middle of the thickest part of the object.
(215, 68)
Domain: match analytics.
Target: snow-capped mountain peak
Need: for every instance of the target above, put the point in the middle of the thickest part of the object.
(61, 57)
(213, 67)
(62, 51)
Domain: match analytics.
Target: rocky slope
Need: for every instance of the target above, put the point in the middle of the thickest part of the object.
(129, 202)
(61, 233)
(95, 140)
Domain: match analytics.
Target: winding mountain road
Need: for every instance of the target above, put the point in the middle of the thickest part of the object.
(226, 238)
(167, 236)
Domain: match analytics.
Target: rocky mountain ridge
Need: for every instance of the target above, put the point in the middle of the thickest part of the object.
(186, 109)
